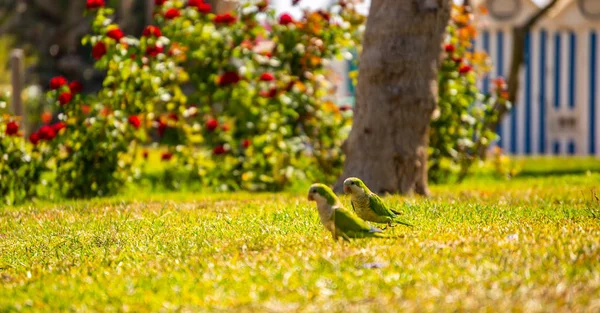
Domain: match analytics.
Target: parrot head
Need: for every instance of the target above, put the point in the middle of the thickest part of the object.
(354, 185)
(320, 193)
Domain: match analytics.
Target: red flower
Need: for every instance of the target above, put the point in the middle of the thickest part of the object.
(47, 133)
(294, 2)
(46, 117)
(57, 82)
(95, 4)
(457, 60)
(162, 127)
(246, 143)
(285, 19)
(151, 30)
(75, 86)
(449, 48)
(204, 8)
(212, 124)
(267, 77)
(465, 69)
(99, 50)
(134, 120)
(173, 116)
(229, 78)
(263, 5)
(324, 14)
(345, 108)
(499, 82)
(226, 18)
(86, 109)
(172, 13)
(59, 126)
(145, 154)
(116, 34)
(12, 128)
(65, 98)
(159, 2)
(34, 138)
(166, 156)
(271, 93)
(225, 127)
(218, 150)
(154, 51)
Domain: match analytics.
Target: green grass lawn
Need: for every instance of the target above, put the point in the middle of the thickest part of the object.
(531, 244)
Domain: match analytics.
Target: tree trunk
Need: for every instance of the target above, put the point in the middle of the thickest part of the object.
(396, 95)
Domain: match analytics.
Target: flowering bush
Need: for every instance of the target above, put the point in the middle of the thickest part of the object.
(90, 144)
(255, 113)
(458, 129)
(21, 169)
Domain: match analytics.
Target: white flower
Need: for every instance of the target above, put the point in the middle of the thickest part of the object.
(196, 127)
(62, 117)
(285, 99)
(300, 48)
(274, 62)
(165, 97)
(348, 56)
(249, 10)
(179, 148)
(162, 41)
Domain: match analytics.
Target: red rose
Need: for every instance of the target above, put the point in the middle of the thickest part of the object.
(465, 69)
(154, 51)
(99, 50)
(345, 108)
(457, 60)
(95, 4)
(86, 109)
(116, 34)
(57, 82)
(172, 13)
(212, 124)
(267, 77)
(34, 138)
(218, 150)
(12, 128)
(285, 19)
(65, 98)
(145, 154)
(204, 8)
(47, 133)
(173, 116)
(263, 5)
(166, 156)
(75, 86)
(151, 30)
(229, 78)
(46, 117)
(324, 14)
(59, 126)
(271, 93)
(162, 127)
(499, 82)
(449, 48)
(246, 143)
(159, 2)
(226, 18)
(134, 120)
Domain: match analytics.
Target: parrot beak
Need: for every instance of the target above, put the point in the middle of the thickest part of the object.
(347, 189)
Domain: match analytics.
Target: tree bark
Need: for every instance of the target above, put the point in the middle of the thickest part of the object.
(396, 95)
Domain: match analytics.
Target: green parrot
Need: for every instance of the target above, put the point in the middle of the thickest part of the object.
(368, 205)
(338, 220)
